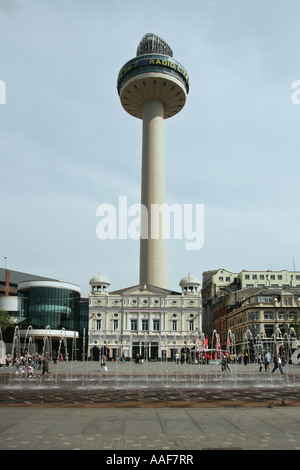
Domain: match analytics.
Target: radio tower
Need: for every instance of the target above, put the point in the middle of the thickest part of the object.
(153, 86)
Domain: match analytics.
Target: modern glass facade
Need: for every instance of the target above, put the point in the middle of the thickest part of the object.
(44, 305)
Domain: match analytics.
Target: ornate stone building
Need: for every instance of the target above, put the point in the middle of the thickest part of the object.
(142, 319)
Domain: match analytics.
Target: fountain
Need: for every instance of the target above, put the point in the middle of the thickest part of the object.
(2, 350)
(199, 371)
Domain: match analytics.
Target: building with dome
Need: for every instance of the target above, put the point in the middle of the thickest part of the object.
(147, 320)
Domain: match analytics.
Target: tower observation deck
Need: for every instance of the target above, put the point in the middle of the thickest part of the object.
(153, 86)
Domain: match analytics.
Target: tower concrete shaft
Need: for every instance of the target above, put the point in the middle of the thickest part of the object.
(153, 87)
(153, 259)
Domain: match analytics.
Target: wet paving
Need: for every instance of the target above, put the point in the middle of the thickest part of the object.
(154, 385)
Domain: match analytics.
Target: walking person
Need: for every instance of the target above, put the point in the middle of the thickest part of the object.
(225, 363)
(267, 360)
(19, 367)
(46, 366)
(277, 364)
(54, 357)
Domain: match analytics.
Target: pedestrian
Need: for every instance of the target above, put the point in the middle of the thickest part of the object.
(19, 367)
(267, 359)
(225, 363)
(277, 364)
(45, 364)
(137, 359)
(30, 371)
(103, 362)
(54, 357)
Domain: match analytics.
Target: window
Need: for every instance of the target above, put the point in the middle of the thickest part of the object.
(115, 325)
(254, 315)
(247, 276)
(156, 325)
(174, 325)
(133, 325)
(269, 330)
(145, 325)
(262, 299)
(254, 330)
(261, 276)
(254, 276)
(98, 325)
(268, 316)
(293, 315)
(281, 316)
(191, 325)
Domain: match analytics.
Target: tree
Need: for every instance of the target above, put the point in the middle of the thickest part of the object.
(6, 320)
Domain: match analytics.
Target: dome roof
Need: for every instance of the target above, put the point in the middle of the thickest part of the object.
(189, 280)
(100, 279)
(153, 44)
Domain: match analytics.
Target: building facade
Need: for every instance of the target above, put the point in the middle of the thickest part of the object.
(43, 306)
(262, 312)
(147, 320)
(256, 303)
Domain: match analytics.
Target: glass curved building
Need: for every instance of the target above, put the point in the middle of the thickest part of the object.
(50, 306)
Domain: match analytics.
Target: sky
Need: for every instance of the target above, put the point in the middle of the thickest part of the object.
(67, 145)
